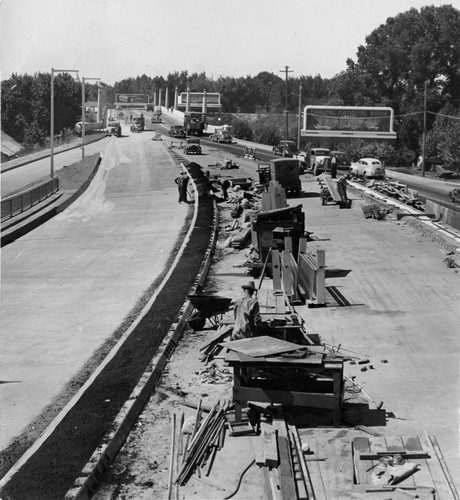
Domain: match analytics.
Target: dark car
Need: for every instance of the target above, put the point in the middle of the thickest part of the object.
(177, 131)
(192, 146)
(343, 159)
(285, 148)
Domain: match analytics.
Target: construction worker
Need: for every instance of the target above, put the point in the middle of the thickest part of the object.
(333, 167)
(342, 187)
(247, 313)
(182, 184)
(225, 185)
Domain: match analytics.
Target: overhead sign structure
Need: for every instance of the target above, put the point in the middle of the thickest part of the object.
(196, 100)
(131, 98)
(341, 123)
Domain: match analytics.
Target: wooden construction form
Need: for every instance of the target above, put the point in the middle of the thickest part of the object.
(341, 465)
(314, 381)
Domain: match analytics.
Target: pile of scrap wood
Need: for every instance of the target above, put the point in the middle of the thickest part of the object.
(401, 193)
(213, 347)
(374, 211)
(279, 452)
(203, 439)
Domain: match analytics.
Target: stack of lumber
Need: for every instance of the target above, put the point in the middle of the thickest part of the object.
(279, 452)
(212, 348)
(202, 445)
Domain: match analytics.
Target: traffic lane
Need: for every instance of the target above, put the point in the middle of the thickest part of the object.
(25, 175)
(68, 285)
(427, 188)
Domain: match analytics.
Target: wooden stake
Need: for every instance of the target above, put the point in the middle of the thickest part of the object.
(171, 460)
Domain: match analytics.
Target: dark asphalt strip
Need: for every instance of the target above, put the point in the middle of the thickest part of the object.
(51, 471)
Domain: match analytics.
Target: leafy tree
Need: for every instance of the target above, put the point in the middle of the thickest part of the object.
(443, 138)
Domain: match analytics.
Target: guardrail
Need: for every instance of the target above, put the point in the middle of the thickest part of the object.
(21, 202)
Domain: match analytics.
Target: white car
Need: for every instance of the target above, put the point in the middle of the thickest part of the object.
(368, 167)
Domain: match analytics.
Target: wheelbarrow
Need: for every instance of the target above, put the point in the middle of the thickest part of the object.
(211, 307)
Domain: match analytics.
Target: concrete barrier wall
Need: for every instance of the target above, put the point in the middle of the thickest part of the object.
(447, 215)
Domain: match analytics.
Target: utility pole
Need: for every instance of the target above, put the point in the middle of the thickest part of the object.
(424, 135)
(286, 71)
(299, 123)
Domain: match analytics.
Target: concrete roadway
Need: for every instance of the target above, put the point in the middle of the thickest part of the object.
(69, 284)
(17, 178)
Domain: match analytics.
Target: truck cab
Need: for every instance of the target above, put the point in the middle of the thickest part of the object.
(286, 171)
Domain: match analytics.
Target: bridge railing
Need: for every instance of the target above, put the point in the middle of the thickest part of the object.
(18, 203)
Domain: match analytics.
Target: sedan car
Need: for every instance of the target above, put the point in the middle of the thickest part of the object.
(285, 148)
(192, 146)
(368, 167)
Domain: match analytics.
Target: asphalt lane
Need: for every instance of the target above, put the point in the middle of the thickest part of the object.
(18, 178)
(69, 284)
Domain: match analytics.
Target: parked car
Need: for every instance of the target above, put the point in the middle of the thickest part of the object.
(320, 160)
(368, 167)
(177, 131)
(192, 146)
(343, 159)
(285, 148)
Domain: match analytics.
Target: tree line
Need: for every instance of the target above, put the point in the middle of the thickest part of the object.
(411, 63)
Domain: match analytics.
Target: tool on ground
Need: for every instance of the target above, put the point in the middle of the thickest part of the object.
(378, 405)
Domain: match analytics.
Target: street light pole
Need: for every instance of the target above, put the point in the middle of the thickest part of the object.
(300, 117)
(83, 114)
(52, 115)
(424, 134)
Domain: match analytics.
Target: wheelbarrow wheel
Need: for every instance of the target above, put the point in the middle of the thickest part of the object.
(197, 321)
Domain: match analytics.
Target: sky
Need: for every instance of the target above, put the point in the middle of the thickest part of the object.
(117, 39)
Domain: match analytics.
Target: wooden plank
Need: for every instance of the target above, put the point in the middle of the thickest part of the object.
(423, 476)
(444, 467)
(443, 491)
(395, 445)
(362, 473)
(271, 458)
(287, 483)
(259, 445)
(317, 473)
(261, 346)
(276, 269)
(303, 465)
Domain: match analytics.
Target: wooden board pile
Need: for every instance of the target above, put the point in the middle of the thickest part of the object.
(279, 452)
(212, 348)
(401, 193)
(201, 444)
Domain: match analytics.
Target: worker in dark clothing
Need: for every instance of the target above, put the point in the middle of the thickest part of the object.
(225, 185)
(342, 187)
(182, 184)
(247, 314)
(333, 167)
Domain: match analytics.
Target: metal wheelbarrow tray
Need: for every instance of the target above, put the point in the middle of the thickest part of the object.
(210, 307)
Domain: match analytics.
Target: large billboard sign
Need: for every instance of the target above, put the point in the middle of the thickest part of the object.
(196, 99)
(131, 98)
(341, 123)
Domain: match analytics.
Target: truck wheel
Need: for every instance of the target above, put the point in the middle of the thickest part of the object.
(315, 169)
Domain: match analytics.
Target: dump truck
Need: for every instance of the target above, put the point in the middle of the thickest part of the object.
(194, 123)
(286, 171)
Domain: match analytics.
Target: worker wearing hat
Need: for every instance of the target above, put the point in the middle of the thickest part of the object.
(247, 313)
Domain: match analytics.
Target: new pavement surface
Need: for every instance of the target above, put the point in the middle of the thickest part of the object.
(68, 285)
